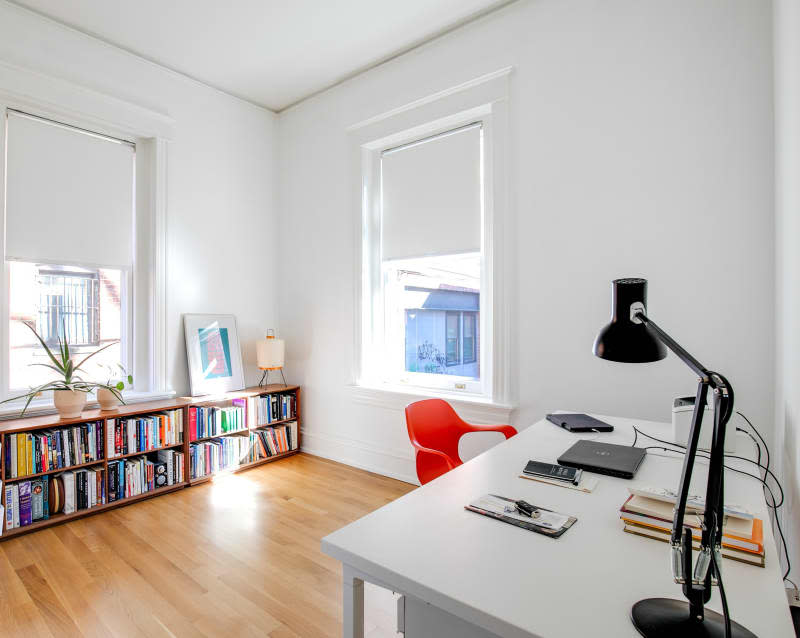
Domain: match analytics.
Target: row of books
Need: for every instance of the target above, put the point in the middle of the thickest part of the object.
(228, 452)
(143, 433)
(244, 413)
(270, 408)
(29, 501)
(45, 450)
(141, 474)
(215, 421)
(742, 535)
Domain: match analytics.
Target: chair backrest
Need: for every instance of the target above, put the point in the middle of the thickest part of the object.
(434, 424)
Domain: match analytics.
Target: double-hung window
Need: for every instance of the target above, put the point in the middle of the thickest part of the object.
(428, 306)
(69, 247)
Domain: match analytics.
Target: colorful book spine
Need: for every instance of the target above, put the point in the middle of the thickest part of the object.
(25, 512)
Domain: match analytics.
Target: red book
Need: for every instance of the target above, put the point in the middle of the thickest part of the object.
(192, 424)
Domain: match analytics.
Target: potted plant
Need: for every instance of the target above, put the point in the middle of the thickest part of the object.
(69, 390)
(108, 396)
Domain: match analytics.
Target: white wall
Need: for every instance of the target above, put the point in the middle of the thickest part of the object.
(641, 145)
(220, 201)
(787, 211)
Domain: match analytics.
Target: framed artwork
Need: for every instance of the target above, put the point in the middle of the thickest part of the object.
(213, 353)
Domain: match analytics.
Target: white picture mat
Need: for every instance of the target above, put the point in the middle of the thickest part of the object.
(200, 383)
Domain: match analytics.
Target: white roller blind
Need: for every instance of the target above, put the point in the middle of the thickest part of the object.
(69, 197)
(431, 196)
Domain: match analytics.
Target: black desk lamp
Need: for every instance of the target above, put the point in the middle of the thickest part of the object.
(632, 337)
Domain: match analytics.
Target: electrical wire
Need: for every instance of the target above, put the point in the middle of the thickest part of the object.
(774, 505)
(725, 613)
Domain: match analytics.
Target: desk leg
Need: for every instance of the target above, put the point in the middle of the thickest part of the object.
(353, 604)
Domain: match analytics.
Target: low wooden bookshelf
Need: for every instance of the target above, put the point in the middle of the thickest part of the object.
(104, 418)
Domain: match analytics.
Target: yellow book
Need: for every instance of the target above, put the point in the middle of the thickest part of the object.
(22, 467)
(29, 453)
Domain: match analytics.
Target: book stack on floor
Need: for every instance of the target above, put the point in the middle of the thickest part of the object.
(143, 433)
(38, 499)
(140, 474)
(29, 453)
(270, 408)
(205, 422)
(743, 534)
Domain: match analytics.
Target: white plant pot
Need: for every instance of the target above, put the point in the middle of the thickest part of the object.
(69, 403)
(107, 399)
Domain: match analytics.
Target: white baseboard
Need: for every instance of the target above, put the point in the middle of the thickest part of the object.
(363, 456)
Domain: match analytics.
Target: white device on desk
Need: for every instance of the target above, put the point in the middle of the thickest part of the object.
(682, 410)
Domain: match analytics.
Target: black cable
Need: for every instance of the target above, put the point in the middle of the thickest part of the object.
(774, 505)
(701, 453)
(725, 614)
(776, 518)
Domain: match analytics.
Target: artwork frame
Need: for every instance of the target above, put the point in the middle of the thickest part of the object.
(213, 354)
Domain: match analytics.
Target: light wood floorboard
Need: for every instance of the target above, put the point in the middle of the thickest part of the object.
(236, 557)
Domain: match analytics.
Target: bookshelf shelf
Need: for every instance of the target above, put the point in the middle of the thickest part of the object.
(140, 497)
(239, 468)
(217, 436)
(28, 477)
(117, 457)
(32, 424)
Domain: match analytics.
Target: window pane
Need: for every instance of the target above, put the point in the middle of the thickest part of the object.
(469, 337)
(453, 325)
(430, 296)
(85, 304)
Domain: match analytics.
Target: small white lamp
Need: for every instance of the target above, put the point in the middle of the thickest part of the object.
(270, 354)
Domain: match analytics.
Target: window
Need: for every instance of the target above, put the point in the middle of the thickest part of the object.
(470, 337)
(86, 304)
(430, 210)
(453, 338)
(69, 247)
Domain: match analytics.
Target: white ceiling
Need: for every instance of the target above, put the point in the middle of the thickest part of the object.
(270, 52)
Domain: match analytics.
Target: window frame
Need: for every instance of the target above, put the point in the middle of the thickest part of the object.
(483, 99)
(145, 311)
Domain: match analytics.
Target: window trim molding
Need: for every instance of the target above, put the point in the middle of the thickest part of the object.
(57, 99)
(484, 98)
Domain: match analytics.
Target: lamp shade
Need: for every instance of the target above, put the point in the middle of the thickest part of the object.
(270, 353)
(624, 339)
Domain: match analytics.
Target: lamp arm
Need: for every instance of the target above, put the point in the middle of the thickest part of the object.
(673, 345)
(697, 582)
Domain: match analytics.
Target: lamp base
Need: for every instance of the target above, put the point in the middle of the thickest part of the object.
(265, 377)
(667, 618)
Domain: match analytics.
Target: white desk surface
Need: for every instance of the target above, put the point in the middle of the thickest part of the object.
(517, 583)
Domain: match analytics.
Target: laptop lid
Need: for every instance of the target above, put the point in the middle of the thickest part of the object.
(604, 458)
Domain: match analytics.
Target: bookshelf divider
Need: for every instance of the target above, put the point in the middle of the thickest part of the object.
(31, 425)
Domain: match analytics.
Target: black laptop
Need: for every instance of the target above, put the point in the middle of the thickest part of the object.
(604, 458)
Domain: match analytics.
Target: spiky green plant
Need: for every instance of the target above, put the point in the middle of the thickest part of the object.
(63, 365)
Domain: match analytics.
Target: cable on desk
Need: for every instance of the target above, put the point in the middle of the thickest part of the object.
(767, 472)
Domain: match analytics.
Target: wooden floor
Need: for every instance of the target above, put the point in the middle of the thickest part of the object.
(235, 557)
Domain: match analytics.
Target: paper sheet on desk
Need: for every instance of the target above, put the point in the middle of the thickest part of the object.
(587, 484)
(550, 520)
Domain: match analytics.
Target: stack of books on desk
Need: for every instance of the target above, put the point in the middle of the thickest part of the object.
(742, 537)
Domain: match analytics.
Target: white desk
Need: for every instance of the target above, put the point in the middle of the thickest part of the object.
(469, 575)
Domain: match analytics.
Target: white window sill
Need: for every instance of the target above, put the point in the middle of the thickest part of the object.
(43, 407)
(469, 406)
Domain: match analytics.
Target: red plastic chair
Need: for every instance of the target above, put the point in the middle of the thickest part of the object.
(435, 429)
